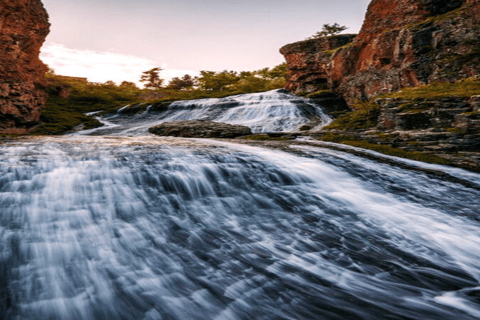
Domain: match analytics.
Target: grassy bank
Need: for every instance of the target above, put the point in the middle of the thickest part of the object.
(412, 155)
(365, 115)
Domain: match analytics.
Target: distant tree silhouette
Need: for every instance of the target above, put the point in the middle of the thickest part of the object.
(186, 82)
(329, 30)
(152, 78)
(128, 85)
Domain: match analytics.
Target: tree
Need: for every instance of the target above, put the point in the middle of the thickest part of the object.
(152, 78)
(128, 85)
(329, 30)
(186, 82)
(217, 81)
(110, 83)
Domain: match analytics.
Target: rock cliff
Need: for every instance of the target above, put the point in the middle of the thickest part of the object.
(308, 62)
(23, 28)
(402, 43)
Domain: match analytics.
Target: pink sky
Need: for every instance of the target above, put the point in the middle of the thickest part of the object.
(118, 39)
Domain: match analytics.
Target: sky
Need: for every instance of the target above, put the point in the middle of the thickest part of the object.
(119, 39)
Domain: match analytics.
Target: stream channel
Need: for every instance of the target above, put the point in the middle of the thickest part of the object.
(116, 223)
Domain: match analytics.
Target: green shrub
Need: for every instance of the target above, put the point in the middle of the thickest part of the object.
(364, 116)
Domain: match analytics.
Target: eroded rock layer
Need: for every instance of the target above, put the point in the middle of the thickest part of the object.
(403, 43)
(23, 28)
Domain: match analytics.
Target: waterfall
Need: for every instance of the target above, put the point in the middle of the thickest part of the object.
(127, 225)
(272, 111)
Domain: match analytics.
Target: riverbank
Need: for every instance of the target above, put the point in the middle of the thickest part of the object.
(437, 123)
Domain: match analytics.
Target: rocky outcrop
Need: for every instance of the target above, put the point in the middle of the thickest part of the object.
(199, 129)
(23, 29)
(403, 43)
(308, 62)
(402, 114)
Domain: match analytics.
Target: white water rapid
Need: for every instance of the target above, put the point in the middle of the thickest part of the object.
(144, 227)
(272, 111)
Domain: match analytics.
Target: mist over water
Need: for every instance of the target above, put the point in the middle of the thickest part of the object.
(143, 227)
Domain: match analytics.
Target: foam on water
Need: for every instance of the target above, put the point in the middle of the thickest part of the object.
(272, 111)
(164, 228)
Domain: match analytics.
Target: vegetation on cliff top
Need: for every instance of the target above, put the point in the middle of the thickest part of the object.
(328, 30)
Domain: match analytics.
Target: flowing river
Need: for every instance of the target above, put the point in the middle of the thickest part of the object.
(127, 225)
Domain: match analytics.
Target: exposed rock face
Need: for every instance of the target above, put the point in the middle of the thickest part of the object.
(401, 114)
(308, 61)
(402, 43)
(199, 129)
(23, 29)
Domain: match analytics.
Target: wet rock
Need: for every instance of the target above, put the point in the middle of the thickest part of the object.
(23, 29)
(200, 129)
(475, 103)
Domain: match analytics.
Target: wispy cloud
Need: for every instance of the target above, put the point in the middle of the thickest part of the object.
(101, 66)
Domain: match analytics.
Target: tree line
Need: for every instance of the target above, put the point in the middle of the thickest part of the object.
(245, 81)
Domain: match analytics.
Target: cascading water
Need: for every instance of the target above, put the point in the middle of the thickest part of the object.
(272, 111)
(145, 227)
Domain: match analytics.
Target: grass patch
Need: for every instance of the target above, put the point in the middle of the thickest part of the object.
(305, 128)
(437, 19)
(365, 116)
(61, 115)
(412, 155)
(330, 53)
(454, 130)
(462, 89)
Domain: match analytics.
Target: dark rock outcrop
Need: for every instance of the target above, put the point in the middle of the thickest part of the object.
(23, 28)
(199, 129)
(402, 43)
(402, 114)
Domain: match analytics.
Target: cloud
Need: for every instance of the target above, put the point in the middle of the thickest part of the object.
(102, 66)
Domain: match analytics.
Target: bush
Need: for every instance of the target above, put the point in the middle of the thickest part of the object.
(365, 116)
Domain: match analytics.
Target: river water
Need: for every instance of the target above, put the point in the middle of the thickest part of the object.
(144, 227)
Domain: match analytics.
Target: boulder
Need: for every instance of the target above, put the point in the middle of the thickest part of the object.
(200, 129)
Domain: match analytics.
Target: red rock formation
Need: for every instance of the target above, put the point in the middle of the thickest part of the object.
(403, 43)
(308, 61)
(23, 29)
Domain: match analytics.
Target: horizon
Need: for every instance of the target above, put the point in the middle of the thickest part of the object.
(118, 40)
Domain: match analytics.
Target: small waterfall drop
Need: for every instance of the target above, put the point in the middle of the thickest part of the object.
(272, 111)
